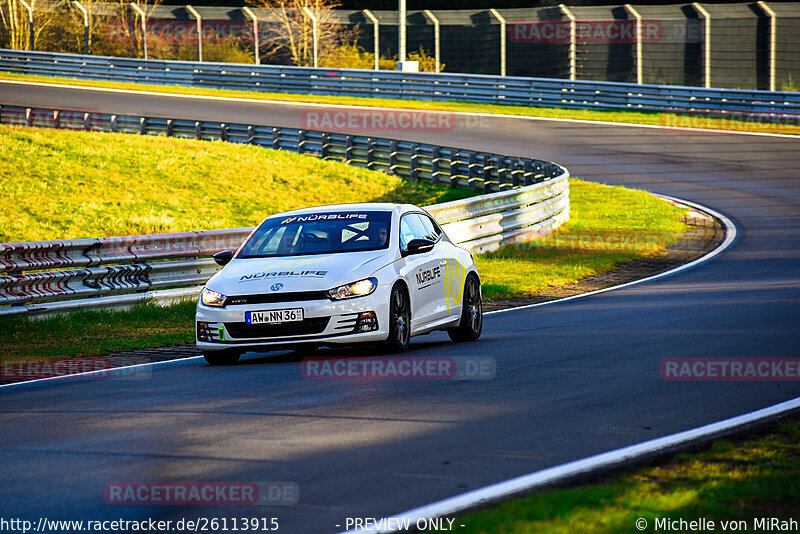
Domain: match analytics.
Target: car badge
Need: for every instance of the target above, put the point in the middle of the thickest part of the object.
(276, 287)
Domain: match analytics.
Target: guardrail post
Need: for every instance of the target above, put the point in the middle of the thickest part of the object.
(276, 139)
(436, 37)
(31, 33)
(251, 135)
(326, 145)
(502, 21)
(348, 150)
(707, 43)
(370, 152)
(630, 9)
(56, 119)
(517, 173)
(87, 124)
(376, 28)
(301, 141)
(114, 127)
(528, 174)
(142, 125)
(143, 16)
(573, 52)
(471, 167)
(393, 157)
(455, 163)
(435, 166)
(169, 127)
(413, 173)
(223, 132)
(28, 117)
(198, 130)
(773, 23)
(196, 15)
(249, 13)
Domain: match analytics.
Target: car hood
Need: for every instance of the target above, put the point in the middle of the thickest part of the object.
(296, 273)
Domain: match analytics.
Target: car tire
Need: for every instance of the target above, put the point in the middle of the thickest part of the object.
(399, 320)
(222, 357)
(471, 324)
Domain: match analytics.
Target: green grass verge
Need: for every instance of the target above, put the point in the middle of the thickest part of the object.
(603, 220)
(58, 184)
(632, 117)
(755, 478)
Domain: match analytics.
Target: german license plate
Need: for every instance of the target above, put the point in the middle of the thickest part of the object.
(274, 316)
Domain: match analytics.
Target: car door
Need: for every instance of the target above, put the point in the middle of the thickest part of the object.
(424, 272)
(448, 301)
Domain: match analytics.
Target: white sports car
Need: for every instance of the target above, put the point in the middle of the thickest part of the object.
(338, 275)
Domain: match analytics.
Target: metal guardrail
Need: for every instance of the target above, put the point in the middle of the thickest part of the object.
(538, 92)
(525, 198)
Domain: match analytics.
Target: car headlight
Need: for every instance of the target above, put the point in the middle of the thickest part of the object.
(356, 289)
(212, 298)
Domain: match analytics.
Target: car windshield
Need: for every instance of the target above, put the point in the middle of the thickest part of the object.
(319, 233)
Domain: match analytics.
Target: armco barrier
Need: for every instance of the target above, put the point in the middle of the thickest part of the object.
(541, 92)
(524, 198)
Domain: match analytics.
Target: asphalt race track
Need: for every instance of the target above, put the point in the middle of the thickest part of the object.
(572, 379)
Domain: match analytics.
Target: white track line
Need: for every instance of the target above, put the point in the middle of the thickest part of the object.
(731, 234)
(730, 237)
(344, 106)
(487, 494)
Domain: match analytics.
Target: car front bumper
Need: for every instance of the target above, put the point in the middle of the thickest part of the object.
(324, 322)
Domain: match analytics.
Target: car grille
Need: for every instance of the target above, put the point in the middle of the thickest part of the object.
(276, 297)
(313, 325)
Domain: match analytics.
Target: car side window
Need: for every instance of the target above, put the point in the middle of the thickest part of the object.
(411, 227)
(432, 230)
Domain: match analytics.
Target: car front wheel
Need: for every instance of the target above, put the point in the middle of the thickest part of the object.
(471, 324)
(399, 320)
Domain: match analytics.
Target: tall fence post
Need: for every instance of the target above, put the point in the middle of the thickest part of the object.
(376, 27)
(706, 45)
(85, 13)
(436, 38)
(773, 28)
(143, 16)
(249, 13)
(314, 33)
(199, 20)
(31, 33)
(401, 32)
(502, 21)
(638, 18)
(573, 52)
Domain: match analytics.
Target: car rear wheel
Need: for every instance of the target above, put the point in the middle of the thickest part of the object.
(471, 324)
(399, 320)
(222, 357)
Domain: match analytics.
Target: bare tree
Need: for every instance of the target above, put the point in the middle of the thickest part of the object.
(287, 29)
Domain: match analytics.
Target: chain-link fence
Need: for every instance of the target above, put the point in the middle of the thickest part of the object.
(737, 45)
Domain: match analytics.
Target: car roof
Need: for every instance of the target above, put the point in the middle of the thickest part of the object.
(358, 206)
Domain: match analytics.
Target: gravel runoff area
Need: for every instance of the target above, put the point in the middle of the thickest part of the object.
(704, 234)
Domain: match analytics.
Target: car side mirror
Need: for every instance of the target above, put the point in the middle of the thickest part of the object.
(223, 258)
(418, 246)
